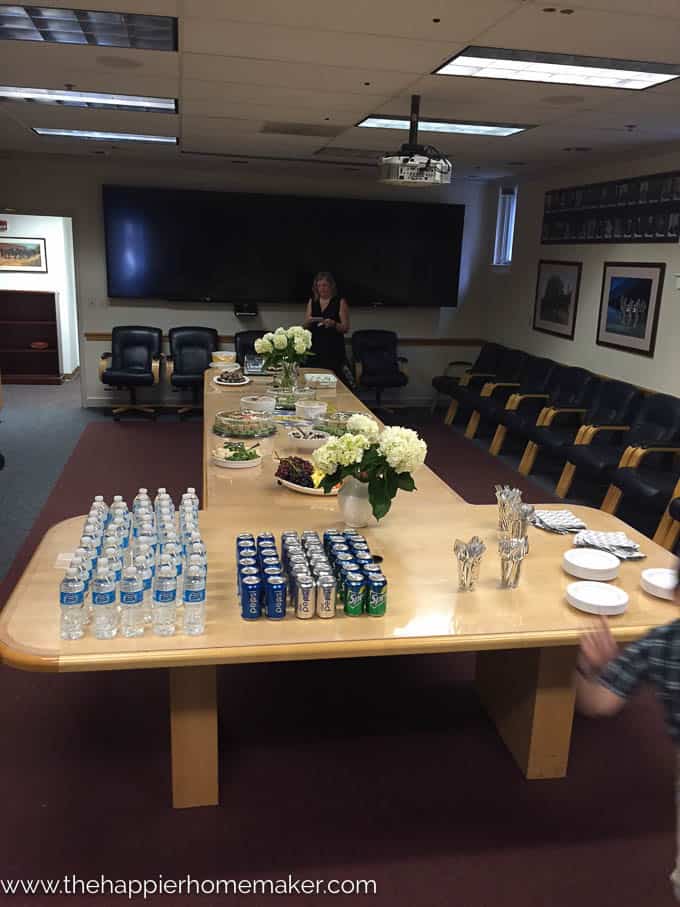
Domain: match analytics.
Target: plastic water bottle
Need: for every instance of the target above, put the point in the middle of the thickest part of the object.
(95, 533)
(196, 539)
(164, 603)
(114, 564)
(191, 495)
(194, 602)
(143, 514)
(122, 530)
(77, 563)
(159, 494)
(131, 603)
(119, 508)
(87, 555)
(105, 613)
(147, 535)
(71, 601)
(102, 507)
(141, 499)
(146, 576)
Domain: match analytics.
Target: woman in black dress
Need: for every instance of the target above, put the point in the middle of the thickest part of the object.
(327, 317)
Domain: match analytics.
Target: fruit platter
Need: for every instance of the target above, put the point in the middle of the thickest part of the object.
(234, 424)
(300, 475)
(235, 455)
(231, 377)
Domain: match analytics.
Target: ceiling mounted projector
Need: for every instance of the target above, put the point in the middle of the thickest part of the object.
(414, 164)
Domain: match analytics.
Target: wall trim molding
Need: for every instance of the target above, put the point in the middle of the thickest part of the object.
(403, 341)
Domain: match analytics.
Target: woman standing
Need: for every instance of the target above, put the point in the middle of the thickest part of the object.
(327, 317)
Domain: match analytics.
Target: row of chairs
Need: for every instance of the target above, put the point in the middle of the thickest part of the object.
(609, 431)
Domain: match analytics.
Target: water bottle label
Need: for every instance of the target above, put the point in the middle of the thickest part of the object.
(147, 583)
(179, 568)
(104, 598)
(135, 532)
(131, 598)
(118, 575)
(194, 596)
(125, 541)
(71, 598)
(165, 596)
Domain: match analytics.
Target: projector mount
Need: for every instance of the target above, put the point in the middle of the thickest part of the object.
(414, 164)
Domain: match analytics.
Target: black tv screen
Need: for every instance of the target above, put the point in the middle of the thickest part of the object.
(224, 247)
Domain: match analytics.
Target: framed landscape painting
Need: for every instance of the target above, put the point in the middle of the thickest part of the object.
(629, 306)
(557, 287)
(22, 254)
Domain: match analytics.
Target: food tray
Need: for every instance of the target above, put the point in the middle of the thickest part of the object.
(233, 424)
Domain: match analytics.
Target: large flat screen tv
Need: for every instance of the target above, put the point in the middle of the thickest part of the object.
(224, 247)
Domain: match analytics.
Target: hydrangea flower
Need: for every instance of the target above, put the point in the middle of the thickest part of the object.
(280, 341)
(403, 449)
(363, 425)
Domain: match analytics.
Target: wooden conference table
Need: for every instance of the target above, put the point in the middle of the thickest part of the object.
(526, 638)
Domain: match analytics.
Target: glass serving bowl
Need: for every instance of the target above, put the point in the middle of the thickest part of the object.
(232, 424)
(334, 423)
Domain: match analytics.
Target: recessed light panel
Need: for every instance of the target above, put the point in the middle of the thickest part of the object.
(563, 69)
(66, 98)
(81, 26)
(378, 122)
(107, 136)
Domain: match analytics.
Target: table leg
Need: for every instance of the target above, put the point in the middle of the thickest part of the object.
(193, 730)
(529, 695)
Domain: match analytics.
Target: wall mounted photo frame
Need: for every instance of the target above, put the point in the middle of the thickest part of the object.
(556, 302)
(629, 306)
(19, 254)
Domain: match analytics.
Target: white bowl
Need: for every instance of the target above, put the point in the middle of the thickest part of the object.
(224, 356)
(659, 581)
(257, 404)
(310, 409)
(590, 563)
(307, 443)
(597, 598)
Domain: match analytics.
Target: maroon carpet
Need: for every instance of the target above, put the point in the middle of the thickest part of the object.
(382, 769)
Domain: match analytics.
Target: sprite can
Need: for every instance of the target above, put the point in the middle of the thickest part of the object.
(376, 594)
(355, 594)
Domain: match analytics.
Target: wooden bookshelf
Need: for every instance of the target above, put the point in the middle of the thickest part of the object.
(27, 317)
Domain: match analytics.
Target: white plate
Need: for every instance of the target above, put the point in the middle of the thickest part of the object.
(589, 563)
(301, 488)
(597, 598)
(659, 581)
(236, 464)
(243, 383)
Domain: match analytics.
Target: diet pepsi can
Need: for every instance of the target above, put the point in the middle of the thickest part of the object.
(325, 595)
(271, 561)
(251, 597)
(305, 597)
(275, 597)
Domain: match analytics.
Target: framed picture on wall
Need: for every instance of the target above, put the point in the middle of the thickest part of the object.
(629, 306)
(21, 254)
(557, 287)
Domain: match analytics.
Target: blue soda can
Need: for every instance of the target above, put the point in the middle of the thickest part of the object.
(353, 534)
(251, 597)
(245, 571)
(272, 570)
(363, 557)
(376, 594)
(246, 552)
(275, 597)
(266, 545)
(339, 548)
(344, 557)
(271, 561)
(355, 594)
(244, 537)
(368, 569)
(247, 562)
(265, 536)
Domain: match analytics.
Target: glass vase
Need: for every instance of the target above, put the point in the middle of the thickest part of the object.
(355, 508)
(287, 377)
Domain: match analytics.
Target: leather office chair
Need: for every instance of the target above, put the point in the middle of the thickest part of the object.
(668, 531)
(244, 344)
(483, 368)
(509, 368)
(134, 361)
(191, 350)
(376, 364)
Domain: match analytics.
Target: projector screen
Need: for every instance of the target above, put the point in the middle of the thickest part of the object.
(223, 247)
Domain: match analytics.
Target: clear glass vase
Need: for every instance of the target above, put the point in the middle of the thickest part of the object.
(355, 508)
(287, 378)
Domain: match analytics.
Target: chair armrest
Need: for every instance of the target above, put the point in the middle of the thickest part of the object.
(592, 430)
(551, 412)
(491, 386)
(169, 366)
(638, 453)
(358, 368)
(458, 362)
(156, 368)
(465, 379)
(103, 363)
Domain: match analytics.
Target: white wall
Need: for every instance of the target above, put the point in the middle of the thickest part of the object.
(60, 276)
(511, 293)
(74, 188)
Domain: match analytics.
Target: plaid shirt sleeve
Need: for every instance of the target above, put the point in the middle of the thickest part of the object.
(625, 673)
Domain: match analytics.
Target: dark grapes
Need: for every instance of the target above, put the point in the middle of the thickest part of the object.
(296, 470)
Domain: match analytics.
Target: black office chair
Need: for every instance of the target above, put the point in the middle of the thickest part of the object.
(191, 352)
(134, 361)
(509, 367)
(244, 344)
(668, 532)
(484, 367)
(376, 364)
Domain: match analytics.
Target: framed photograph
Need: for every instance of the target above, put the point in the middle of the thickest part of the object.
(557, 287)
(629, 306)
(23, 255)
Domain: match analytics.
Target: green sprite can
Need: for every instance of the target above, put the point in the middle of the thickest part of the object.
(376, 594)
(355, 594)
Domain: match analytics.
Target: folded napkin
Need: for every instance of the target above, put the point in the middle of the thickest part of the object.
(560, 521)
(616, 543)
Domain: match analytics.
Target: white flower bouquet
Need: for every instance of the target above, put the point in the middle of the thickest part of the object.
(385, 460)
(284, 345)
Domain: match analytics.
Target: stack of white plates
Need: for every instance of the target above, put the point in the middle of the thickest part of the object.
(597, 598)
(659, 581)
(590, 563)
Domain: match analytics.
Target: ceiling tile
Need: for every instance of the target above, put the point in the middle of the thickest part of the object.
(212, 98)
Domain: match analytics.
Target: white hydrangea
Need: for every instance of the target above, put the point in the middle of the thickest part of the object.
(307, 337)
(263, 346)
(280, 341)
(299, 346)
(402, 448)
(325, 458)
(280, 331)
(269, 337)
(363, 425)
(344, 451)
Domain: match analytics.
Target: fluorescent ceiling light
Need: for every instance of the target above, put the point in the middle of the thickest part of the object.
(378, 122)
(67, 98)
(562, 69)
(81, 26)
(107, 136)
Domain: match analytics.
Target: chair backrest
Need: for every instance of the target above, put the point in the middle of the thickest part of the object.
(487, 359)
(572, 387)
(376, 351)
(535, 375)
(657, 421)
(510, 364)
(244, 343)
(191, 349)
(614, 404)
(134, 346)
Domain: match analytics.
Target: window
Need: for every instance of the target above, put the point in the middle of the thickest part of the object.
(505, 226)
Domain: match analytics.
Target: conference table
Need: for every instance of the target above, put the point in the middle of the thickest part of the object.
(525, 638)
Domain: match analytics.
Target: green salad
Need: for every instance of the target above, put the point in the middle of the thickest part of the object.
(236, 450)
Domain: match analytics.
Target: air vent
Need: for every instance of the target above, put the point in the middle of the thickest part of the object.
(302, 129)
(358, 154)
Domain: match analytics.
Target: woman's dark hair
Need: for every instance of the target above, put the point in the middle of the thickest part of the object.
(324, 275)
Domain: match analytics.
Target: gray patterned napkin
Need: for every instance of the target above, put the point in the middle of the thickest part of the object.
(616, 543)
(560, 521)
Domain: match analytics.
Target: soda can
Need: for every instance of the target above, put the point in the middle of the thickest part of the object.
(371, 568)
(297, 560)
(359, 546)
(355, 594)
(310, 534)
(247, 552)
(247, 562)
(339, 548)
(289, 534)
(271, 561)
(325, 595)
(244, 540)
(305, 597)
(322, 571)
(265, 536)
(251, 597)
(272, 570)
(353, 534)
(363, 557)
(246, 571)
(344, 557)
(318, 559)
(376, 594)
(266, 546)
(275, 600)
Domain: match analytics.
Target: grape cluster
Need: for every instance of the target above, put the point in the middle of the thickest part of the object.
(296, 470)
